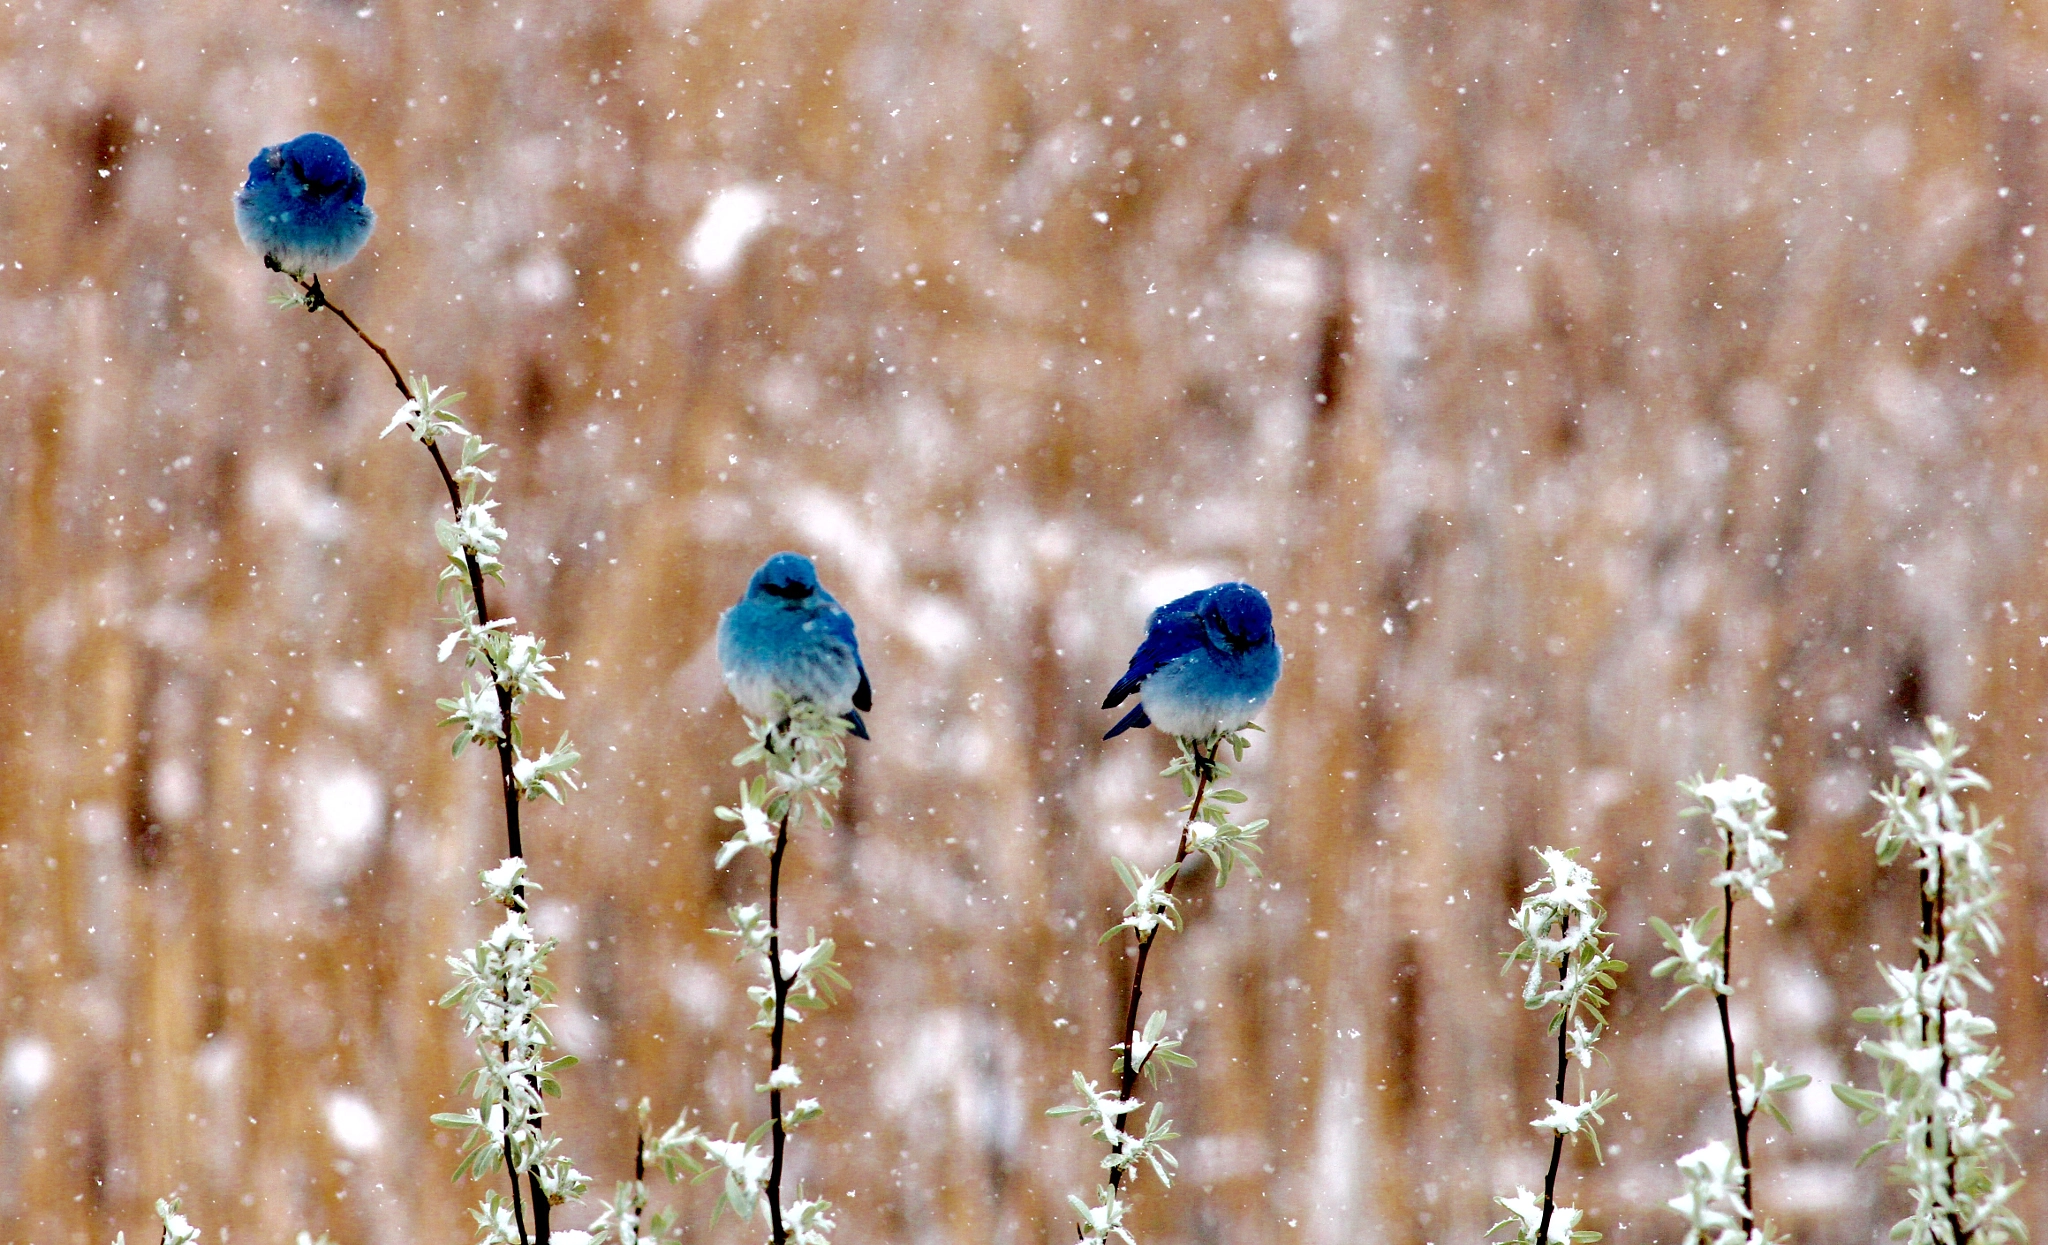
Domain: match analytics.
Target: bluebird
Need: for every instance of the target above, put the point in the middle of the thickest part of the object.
(1207, 665)
(789, 635)
(302, 208)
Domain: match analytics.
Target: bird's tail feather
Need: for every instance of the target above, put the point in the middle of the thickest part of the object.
(1135, 718)
(1121, 692)
(860, 728)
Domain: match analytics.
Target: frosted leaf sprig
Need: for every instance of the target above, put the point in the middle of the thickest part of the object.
(1936, 1095)
(1525, 1214)
(486, 710)
(1103, 1113)
(506, 666)
(1560, 924)
(1103, 1219)
(1208, 833)
(625, 1219)
(1712, 1204)
(1719, 1182)
(1695, 959)
(804, 760)
(802, 757)
(1211, 832)
(499, 993)
(1740, 811)
(175, 1229)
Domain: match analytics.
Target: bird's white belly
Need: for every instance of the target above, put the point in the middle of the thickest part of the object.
(826, 677)
(1178, 704)
(754, 690)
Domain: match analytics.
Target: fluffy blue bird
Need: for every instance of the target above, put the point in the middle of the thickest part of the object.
(1208, 664)
(302, 208)
(788, 635)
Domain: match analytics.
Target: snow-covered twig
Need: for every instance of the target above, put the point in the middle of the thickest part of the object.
(473, 540)
(500, 994)
(624, 1220)
(507, 667)
(1207, 832)
(803, 757)
(1720, 1183)
(1560, 924)
(175, 1229)
(1936, 1096)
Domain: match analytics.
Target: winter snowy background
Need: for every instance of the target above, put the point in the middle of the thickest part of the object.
(1604, 391)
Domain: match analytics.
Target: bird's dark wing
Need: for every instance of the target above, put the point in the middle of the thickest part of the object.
(1135, 718)
(834, 621)
(1174, 630)
(838, 624)
(860, 728)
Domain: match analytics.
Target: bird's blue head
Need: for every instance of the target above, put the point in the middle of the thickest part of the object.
(315, 160)
(1237, 617)
(790, 577)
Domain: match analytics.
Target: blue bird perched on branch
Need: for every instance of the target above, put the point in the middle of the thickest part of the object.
(1207, 665)
(302, 208)
(789, 636)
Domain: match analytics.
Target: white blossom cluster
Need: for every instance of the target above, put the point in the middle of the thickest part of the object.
(803, 758)
(1715, 1204)
(1712, 1205)
(500, 993)
(1740, 810)
(1936, 1096)
(1560, 927)
(625, 1220)
(505, 666)
(1525, 1216)
(1208, 834)
(178, 1230)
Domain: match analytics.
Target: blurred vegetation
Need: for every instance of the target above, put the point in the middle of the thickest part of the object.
(1603, 391)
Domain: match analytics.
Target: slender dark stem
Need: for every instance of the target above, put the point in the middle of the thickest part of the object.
(1939, 922)
(1564, 1027)
(1204, 769)
(1927, 928)
(316, 300)
(518, 1205)
(541, 1207)
(1742, 1118)
(778, 1234)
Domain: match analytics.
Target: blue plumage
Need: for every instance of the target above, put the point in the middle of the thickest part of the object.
(1207, 665)
(302, 208)
(789, 635)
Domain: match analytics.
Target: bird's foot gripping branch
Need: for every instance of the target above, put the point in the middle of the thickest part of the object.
(1207, 835)
(802, 754)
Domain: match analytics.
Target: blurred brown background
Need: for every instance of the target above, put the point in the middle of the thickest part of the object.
(1603, 391)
